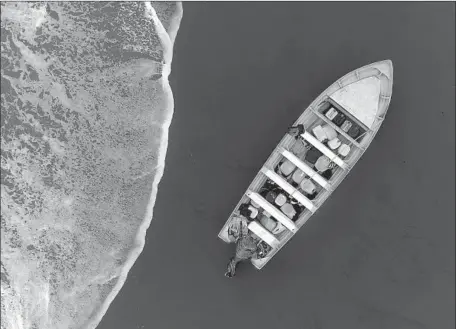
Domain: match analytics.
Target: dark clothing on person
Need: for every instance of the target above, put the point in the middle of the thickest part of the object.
(313, 154)
(354, 132)
(312, 196)
(271, 196)
(327, 174)
(244, 210)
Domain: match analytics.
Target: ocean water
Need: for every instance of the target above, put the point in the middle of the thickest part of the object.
(85, 111)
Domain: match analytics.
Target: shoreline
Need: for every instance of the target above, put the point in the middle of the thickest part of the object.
(140, 238)
(241, 74)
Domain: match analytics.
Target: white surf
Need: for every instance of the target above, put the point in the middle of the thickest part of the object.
(85, 107)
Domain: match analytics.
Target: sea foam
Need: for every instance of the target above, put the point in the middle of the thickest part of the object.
(85, 111)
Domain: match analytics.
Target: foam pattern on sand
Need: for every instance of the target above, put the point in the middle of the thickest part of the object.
(85, 111)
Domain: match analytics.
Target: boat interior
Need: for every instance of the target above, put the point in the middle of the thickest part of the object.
(301, 173)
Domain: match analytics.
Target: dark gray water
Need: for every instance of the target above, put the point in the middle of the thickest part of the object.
(380, 254)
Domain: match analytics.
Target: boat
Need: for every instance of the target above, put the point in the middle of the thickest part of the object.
(306, 168)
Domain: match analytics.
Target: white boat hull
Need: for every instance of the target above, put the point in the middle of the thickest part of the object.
(363, 96)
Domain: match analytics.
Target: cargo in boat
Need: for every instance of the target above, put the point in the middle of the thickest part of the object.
(306, 167)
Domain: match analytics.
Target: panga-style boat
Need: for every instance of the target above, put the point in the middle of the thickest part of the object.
(307, 165)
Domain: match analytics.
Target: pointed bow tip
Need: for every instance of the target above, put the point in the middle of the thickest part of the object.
(389, 63)
(386, 67)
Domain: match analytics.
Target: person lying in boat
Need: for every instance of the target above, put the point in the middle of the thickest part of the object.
(247, 246)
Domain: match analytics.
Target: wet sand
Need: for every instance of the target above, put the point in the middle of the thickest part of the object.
(380, 253)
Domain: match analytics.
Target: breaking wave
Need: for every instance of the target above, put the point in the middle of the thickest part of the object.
(85, 111)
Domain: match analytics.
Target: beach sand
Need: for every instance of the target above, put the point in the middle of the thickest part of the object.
(380, 253)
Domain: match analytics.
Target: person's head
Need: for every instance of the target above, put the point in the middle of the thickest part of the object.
(327, 173)
(245, 212)
(243, 206)
(293, 131)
